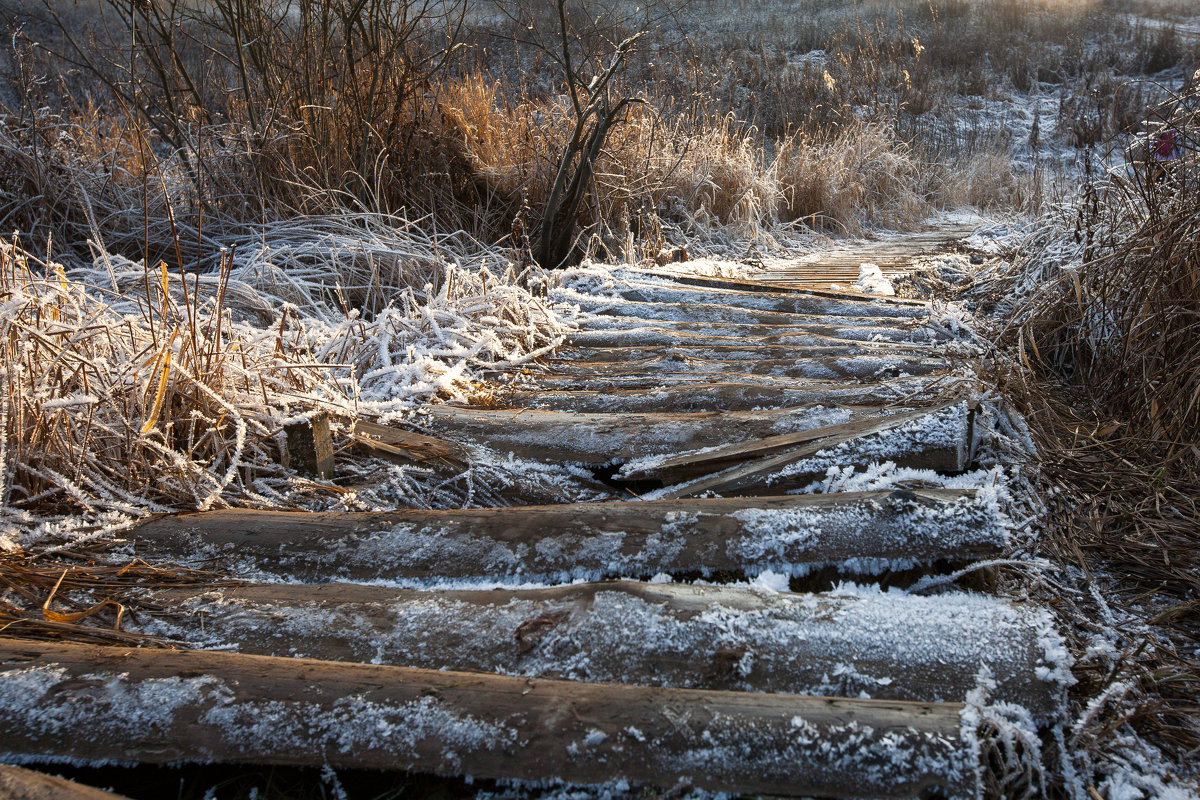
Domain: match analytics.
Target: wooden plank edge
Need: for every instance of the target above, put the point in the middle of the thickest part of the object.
(79, 702)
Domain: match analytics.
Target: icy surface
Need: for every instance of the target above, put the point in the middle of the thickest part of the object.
(853, 643)
(900, 526)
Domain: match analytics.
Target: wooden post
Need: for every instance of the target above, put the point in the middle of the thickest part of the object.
(310, 446)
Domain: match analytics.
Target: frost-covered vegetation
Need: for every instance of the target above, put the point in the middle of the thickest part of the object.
(229, 215)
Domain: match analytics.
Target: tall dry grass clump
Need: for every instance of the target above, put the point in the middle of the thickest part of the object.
(1106, 333)
(109, 411)
(129, 390)
(863, 173)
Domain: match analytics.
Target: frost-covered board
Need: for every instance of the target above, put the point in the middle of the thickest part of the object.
(859, 642)
(746, 351)
(636, 329)
(601, 439)
(716, 395)
(821, 368)
(714, 312)
(94, 704)
(760, 284)
(940, 440)
(862, 532)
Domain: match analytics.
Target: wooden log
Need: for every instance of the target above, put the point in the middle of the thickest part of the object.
(310, 446)
(602, 439)
(717, 396)
(774, 334)
(939, 440)
(710, 459)
(822, 368)
(901, 647)
(152, 706)
(17, 783)
(856, 531)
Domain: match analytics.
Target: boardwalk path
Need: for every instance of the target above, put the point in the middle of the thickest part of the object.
(689, 407)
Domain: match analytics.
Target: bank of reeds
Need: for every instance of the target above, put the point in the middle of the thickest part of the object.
(1106, 333)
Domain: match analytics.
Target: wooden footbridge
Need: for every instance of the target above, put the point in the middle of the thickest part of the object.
(693, 624)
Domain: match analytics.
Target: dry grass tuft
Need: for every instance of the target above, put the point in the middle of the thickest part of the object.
(861, 174)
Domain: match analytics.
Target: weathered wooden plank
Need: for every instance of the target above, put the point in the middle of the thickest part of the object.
(758, 297)
(823, 368)
(697, 312)
(938, 440)
(816, 333)
(745, 351)
(17, 783)
(601, 439)
(701, 462)
(758, 284)
(902, 647)
(78, 702)
(870, 530)
(714, 396)
(406, 445)
(548, 381)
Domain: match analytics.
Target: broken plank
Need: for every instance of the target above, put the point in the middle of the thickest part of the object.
(938, 440)
(601, 439)
(902, 647)
(584, 540)
(715, 396)
(391, 441)
(74, 702)
(17, 783)
(701, 462)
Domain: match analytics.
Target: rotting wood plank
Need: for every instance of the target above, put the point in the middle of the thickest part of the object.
(902, 647)
(706, 460)
(602, 439)
(17, 783)
(406, 445)
(944, 448)
(583, 540)
(716, 396)
(82, 702)
(785, 334)
(866, 365)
